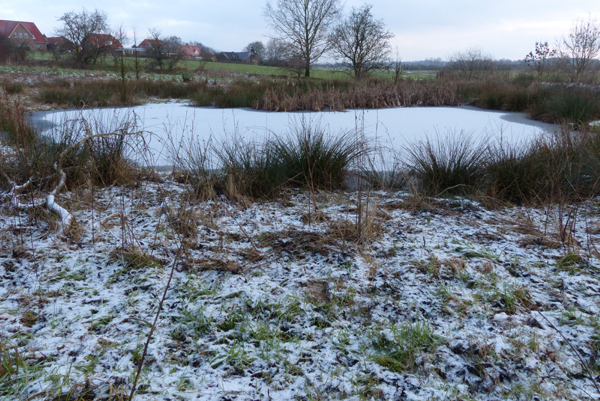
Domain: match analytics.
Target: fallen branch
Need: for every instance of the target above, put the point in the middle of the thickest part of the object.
(50, 202)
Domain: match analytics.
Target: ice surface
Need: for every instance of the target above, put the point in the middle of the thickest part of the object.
(173, 124)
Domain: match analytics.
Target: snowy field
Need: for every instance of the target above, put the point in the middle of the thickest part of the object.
(340, 295)
(435, 299)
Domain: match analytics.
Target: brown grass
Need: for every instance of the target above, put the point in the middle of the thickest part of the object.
(350, 230)
(317, 291)
(29, 318)
(299, 243)
(362, 95)
(218, 264)
(135, 258)
(183, 221)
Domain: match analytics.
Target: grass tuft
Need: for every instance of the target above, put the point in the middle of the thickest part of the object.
(398, 350)
(451, 165)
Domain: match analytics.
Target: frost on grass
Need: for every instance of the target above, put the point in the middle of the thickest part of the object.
(441, 300)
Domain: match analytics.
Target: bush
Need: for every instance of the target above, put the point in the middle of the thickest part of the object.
(101, 160)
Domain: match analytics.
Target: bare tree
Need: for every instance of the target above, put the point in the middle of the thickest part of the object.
(164, 52)
(579, 49)
(257, 47)
(539, 59)
(362, 41)
(136, 57)
(304, 25)
(397, 67)
(80, 30)
(471, 64)
(277, 52)
(119, 54)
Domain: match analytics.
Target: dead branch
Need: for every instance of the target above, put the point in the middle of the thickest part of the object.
(50, 202)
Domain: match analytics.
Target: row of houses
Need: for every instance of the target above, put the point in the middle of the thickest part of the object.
(27, 34)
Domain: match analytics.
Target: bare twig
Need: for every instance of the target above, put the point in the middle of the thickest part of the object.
(160, 304)
(583, 364)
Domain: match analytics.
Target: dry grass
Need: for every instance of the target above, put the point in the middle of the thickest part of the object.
(209, 263)
(135, 258)
(317, 291)
(366, 230)
(543, 241)
(361, 95)
(29, 318)
(183, 221)
(299, 243)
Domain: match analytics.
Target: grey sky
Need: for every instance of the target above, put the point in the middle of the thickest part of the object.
(423, 28)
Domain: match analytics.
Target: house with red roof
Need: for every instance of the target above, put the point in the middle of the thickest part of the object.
(102, 40)
(191, 52)
(24, 33)
(147, 43)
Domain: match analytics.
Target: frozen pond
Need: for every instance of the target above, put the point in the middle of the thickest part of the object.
(172, 126)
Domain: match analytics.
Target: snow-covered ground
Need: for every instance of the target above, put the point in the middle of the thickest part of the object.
(430, 299)
(171, 124)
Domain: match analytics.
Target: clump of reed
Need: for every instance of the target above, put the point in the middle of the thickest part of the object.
(79, 94)
(306, 157)
(248, 169)
(563, 104)
(12, 87)
(450, 164)
(90, 156)
(554, 103)
(104, 93)
(18, 133)
(166, 89)
(13, 122)
(558, 167)
(562, 166)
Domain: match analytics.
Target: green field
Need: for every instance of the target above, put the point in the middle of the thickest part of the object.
(107, 64)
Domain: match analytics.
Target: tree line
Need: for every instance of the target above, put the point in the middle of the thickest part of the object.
(304, 31)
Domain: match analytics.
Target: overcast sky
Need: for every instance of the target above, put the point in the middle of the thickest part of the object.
(423, 28)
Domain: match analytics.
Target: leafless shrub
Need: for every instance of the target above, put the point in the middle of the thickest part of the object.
(540, 58)
(473, 63)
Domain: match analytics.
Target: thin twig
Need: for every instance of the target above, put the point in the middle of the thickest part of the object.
(160, 304)
(583, 364)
